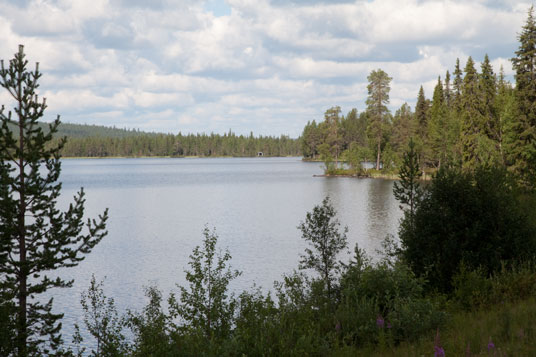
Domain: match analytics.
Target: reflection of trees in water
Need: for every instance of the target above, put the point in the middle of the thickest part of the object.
(382, 213)
(367, 206)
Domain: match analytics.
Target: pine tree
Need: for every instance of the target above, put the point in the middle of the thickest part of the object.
(35, 236)
(378, 98)
(408, 191)
(524, 154)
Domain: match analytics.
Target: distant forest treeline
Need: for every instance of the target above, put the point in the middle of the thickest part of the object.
(100, 141)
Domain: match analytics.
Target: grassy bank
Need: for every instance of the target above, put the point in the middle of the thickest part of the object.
(505, 329)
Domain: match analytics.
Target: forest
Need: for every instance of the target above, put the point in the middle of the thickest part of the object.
(460, 278)
(84, 140)
(474, 117)
(139, 144)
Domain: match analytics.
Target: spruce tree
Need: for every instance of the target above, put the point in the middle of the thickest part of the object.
(474, 143)
(421, 114)
(438, 128)
(457, 85)
(507, 114)
(403, 128)
(524, 63)
(448, 91)
(421, 119)
(333, 128)
(488, 89)
(36, 238)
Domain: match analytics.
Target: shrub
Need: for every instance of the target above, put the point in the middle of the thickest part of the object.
(383, 300)
(470, 217)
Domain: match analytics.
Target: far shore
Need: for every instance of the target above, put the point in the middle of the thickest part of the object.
(167, 157)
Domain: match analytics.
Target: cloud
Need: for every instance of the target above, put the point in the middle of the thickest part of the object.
(266, 66)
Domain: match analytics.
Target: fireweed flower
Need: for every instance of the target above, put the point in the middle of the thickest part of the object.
(439, 351)
(491, 345)
(380, 322)
(338, 326)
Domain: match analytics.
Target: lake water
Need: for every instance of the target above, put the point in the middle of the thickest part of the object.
(159, 207)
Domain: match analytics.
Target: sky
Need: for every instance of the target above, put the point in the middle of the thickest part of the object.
(261, 66)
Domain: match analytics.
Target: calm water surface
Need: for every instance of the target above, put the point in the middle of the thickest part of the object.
(159, 207)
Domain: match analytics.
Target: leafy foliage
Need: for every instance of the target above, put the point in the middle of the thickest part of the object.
(151, 327)
(205, 308)
(321, 230)
(102, 322)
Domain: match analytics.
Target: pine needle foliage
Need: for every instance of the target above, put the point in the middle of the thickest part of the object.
(408, 190)
(35, 237)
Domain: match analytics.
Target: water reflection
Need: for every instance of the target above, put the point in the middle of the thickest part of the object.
(383, 212)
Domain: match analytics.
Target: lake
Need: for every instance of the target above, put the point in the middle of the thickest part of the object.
(158, 209)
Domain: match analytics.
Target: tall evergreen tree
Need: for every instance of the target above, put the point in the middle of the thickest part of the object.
(457, 85)
(403, 128)
(488, 89)
(506, 110)
(378, 98)
(524, 63)
(353, 129)
(474, 143)
(332, 127)
(448, 91)
(421, 114)
(310, 140)
(438, 128)
(35, 236)
(421, 122)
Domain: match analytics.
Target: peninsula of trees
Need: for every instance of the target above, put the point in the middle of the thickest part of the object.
(474, 117)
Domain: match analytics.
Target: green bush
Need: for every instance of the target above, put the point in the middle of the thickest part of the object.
(413, 318)
(471, 217)
(384, 303)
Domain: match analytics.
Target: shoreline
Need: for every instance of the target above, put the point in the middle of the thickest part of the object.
(169, 157)
(371, 176)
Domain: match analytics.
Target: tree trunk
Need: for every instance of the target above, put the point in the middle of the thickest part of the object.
(22, 274)
(378, 156)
